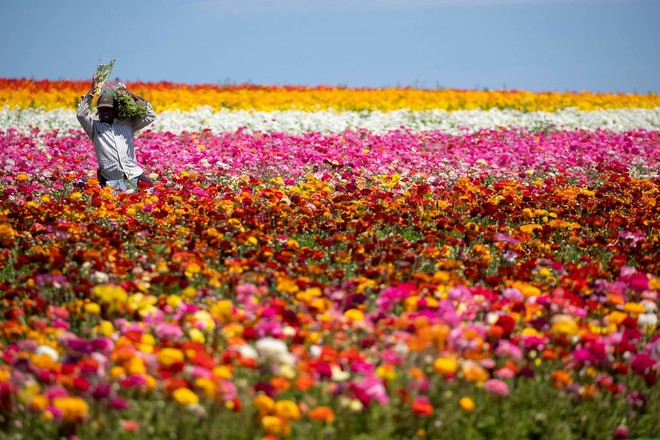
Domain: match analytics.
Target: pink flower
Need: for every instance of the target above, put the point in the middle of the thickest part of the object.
(505, 373)
(496, 387)
(165, 330)
(507, 349)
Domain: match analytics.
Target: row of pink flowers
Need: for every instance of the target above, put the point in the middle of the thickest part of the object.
(502, 154)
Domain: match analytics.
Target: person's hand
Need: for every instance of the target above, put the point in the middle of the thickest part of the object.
(122, 88)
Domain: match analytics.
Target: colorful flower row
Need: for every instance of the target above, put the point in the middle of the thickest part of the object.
(432, 157)
(299, 122)
(49, 95)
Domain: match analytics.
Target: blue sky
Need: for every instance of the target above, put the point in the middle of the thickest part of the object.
(535, 45)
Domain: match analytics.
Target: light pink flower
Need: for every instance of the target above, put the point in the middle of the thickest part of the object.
(496, 387)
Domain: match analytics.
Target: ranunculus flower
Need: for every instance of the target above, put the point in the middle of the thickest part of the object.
(184, 396)
(496, 387)
(287, 409)
(422, 407)
(445, 366)
(168, 356)
(466, 404)
(73, 409)
(323, 413)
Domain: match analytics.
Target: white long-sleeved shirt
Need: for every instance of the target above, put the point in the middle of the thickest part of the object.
(113, 143)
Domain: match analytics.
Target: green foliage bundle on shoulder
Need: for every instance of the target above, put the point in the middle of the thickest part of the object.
(128, 108)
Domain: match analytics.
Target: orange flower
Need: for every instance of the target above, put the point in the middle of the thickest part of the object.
(561, 379)
(7, 234)
(474, 372)
(280, 383)
(304, 383)
(323, 413)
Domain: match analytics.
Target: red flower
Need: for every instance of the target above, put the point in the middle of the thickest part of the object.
(422, 407)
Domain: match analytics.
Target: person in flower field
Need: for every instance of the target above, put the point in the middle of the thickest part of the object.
(113, 137)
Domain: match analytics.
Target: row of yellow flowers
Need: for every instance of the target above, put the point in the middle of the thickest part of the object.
(49, 95)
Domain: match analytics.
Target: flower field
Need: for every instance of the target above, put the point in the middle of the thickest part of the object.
(321, 263)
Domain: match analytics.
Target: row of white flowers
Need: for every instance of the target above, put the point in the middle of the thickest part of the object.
(294, 122)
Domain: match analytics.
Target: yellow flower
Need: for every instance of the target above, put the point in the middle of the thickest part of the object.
(106, 328)
(92, 308)
(634, 308)
(206, 386)
(112, 295)
(222, 309)
(564, 325)
(196, 335)
(39, 402)
(174, 301)
(143, 304)
(287, 409)
(264, 404)
(222, 372)
(354, 314)
(466, 404)
(285, 284)
(544, 272)
(276, 426)
(183, 396)
(168, 356)
(189, 292)
(526, 289)
(527, 214)
(445, 366)
(204, 320)
(529, 229)
(151, 382)
(386, 372)
(74, 409)
(117, 372)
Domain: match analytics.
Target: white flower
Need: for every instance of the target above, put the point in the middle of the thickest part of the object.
(315, 351)
(647, 320)
(339, 375)
(274, 351)
(246, 351)
(48, 351)
(100, 277)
